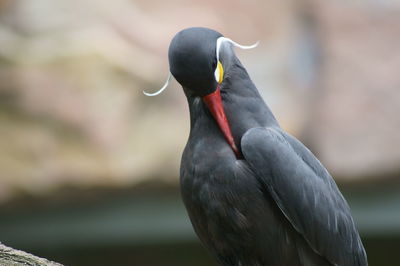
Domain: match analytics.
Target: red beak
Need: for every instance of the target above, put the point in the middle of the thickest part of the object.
(214, 104)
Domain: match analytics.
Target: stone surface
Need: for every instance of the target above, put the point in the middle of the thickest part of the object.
(13, 257)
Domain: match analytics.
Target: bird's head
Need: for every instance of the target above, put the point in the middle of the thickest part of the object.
(196, 58)
(193, 61)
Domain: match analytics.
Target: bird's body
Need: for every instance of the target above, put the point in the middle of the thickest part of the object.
(230, 211)
(270, 202)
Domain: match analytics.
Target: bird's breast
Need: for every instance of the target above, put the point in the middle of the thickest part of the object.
(224, 199)
(230, 211)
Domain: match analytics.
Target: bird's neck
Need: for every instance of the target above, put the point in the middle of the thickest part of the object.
(243, 106)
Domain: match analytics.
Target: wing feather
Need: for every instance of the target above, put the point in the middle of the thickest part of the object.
(306, 194)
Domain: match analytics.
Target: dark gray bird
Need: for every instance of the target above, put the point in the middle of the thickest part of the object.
(255, 194)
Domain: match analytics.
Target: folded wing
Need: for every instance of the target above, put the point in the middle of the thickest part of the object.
(306, 194)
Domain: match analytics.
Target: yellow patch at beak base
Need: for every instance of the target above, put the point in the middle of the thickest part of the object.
(220, 72)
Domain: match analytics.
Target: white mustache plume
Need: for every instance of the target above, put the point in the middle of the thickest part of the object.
(220, 40)
(162, 89)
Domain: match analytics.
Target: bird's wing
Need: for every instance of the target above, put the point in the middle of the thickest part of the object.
(306, 194)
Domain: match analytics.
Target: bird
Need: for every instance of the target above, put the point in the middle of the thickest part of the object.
(255, 195)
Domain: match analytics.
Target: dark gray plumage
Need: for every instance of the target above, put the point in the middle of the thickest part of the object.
(274, 205)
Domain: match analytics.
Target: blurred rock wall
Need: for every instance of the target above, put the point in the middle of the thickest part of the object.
(72, 73)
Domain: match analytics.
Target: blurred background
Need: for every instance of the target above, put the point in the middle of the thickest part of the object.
(89, 166)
